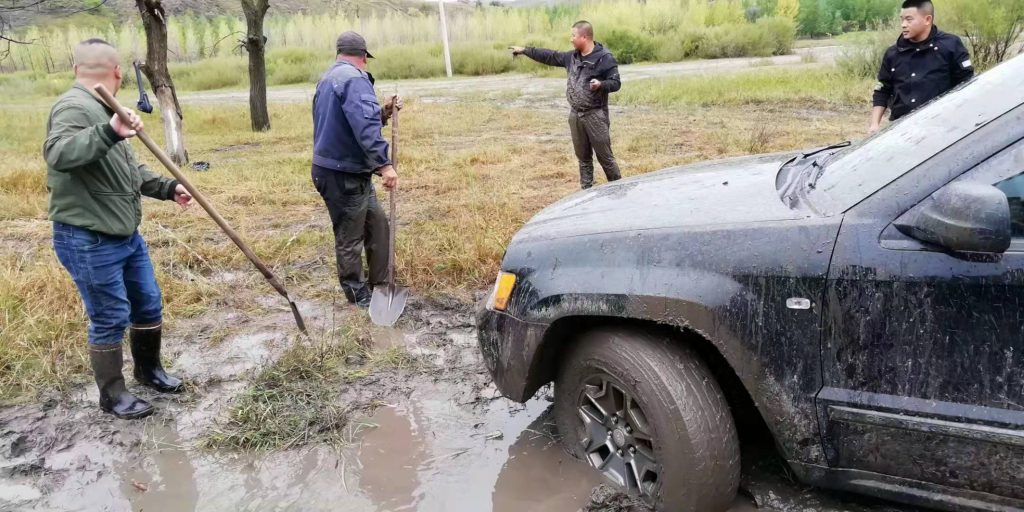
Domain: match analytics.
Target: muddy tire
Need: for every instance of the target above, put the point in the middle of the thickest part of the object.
(671, 437)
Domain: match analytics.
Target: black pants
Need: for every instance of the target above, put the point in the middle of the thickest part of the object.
(591, 134)
(358, 222)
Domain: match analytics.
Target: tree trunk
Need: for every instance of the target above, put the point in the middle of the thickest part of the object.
(255, 44)
(154, 21)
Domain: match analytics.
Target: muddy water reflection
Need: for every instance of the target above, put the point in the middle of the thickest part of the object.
(166, 478)
(424, 453)
(390, 456)
(431, 455)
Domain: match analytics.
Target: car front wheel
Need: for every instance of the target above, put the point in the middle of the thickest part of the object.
(647, 412)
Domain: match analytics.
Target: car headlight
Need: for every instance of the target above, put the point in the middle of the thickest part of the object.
(503, 291)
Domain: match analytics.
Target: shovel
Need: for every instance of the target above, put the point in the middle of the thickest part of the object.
(201, 199)
(387, 304)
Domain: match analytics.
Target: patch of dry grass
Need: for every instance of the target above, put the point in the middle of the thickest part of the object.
(472, 173)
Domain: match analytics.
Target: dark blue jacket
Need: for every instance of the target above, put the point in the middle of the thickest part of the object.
(347, 122)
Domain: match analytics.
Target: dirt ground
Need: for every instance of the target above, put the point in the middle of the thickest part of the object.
(440, 438)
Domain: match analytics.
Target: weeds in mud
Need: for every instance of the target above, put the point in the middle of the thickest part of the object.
(296, 400)
(468, 183)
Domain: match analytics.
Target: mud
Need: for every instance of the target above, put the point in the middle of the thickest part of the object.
(440, 437)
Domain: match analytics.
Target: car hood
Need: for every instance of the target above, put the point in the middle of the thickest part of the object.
(738, 190)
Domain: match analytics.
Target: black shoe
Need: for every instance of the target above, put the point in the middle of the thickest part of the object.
(360, 296)
(149, 372)
(363, 297)
(114, 397)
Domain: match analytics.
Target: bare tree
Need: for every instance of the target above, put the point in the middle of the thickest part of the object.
(12, 9)
(255, 43)
(154, 22)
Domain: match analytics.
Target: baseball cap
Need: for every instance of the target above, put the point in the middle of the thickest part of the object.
(351, 43)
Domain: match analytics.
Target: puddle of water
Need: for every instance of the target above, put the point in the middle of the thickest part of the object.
(424, 453)
(431, 455)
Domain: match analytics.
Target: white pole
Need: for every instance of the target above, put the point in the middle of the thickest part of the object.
(444, 39)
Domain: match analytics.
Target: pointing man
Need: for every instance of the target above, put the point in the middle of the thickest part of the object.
(592, 75)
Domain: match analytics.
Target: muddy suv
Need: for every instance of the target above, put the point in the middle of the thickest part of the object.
(866, 301)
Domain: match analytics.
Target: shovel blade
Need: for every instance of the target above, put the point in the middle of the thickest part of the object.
(387, 305)
(298, 317)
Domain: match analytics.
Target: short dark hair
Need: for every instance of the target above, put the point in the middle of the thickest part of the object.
(585, 28)
(96, 40)
(925, 6)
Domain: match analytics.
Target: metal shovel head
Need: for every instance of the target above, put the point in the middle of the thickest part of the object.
(387, 304)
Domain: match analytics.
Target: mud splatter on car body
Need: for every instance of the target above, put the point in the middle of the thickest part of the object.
(881, 360)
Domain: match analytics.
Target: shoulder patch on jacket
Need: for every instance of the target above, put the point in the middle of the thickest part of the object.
(966, 64)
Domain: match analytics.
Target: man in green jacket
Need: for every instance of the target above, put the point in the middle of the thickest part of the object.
(96, 186)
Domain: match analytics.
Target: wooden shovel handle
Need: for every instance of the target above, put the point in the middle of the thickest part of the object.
(196, 194)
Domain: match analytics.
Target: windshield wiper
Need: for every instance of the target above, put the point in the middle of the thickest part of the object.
(819, 167)
(826, 148)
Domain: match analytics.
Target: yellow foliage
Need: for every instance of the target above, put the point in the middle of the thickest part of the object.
(788, 9)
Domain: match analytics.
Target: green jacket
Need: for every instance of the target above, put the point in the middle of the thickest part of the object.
(94, 179)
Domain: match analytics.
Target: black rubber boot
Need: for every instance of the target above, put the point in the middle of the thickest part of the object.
(114, 397)
(149, 372)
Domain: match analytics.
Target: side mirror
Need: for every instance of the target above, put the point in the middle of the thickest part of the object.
(962, 217)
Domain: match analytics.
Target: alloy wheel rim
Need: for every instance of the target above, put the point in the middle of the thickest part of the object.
(617, 437)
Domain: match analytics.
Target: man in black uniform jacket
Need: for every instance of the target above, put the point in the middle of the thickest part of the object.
(924, 63)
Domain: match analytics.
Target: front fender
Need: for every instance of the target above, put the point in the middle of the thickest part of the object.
(774, 353)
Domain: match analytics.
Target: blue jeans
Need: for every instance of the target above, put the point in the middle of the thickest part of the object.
(114, 277)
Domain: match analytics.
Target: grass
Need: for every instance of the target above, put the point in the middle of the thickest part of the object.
(473, 170)
(296, 400)
(815, 87)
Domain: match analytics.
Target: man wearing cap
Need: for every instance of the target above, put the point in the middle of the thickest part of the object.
(925, 63)
(348, 149)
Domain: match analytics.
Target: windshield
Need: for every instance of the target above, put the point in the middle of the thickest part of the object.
(855, 174)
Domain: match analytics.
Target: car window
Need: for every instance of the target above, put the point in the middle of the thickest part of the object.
(1014, 190)
(1005, 171)
(908, 143)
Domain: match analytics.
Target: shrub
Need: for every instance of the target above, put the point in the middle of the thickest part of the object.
(630, 47)
(296, 65)
(29, 83)
(733, 41)
(476, 60)
(408, 61)
(681, 45)
(780, 31)
(863, 57)
(209, 74)
(992, 27)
